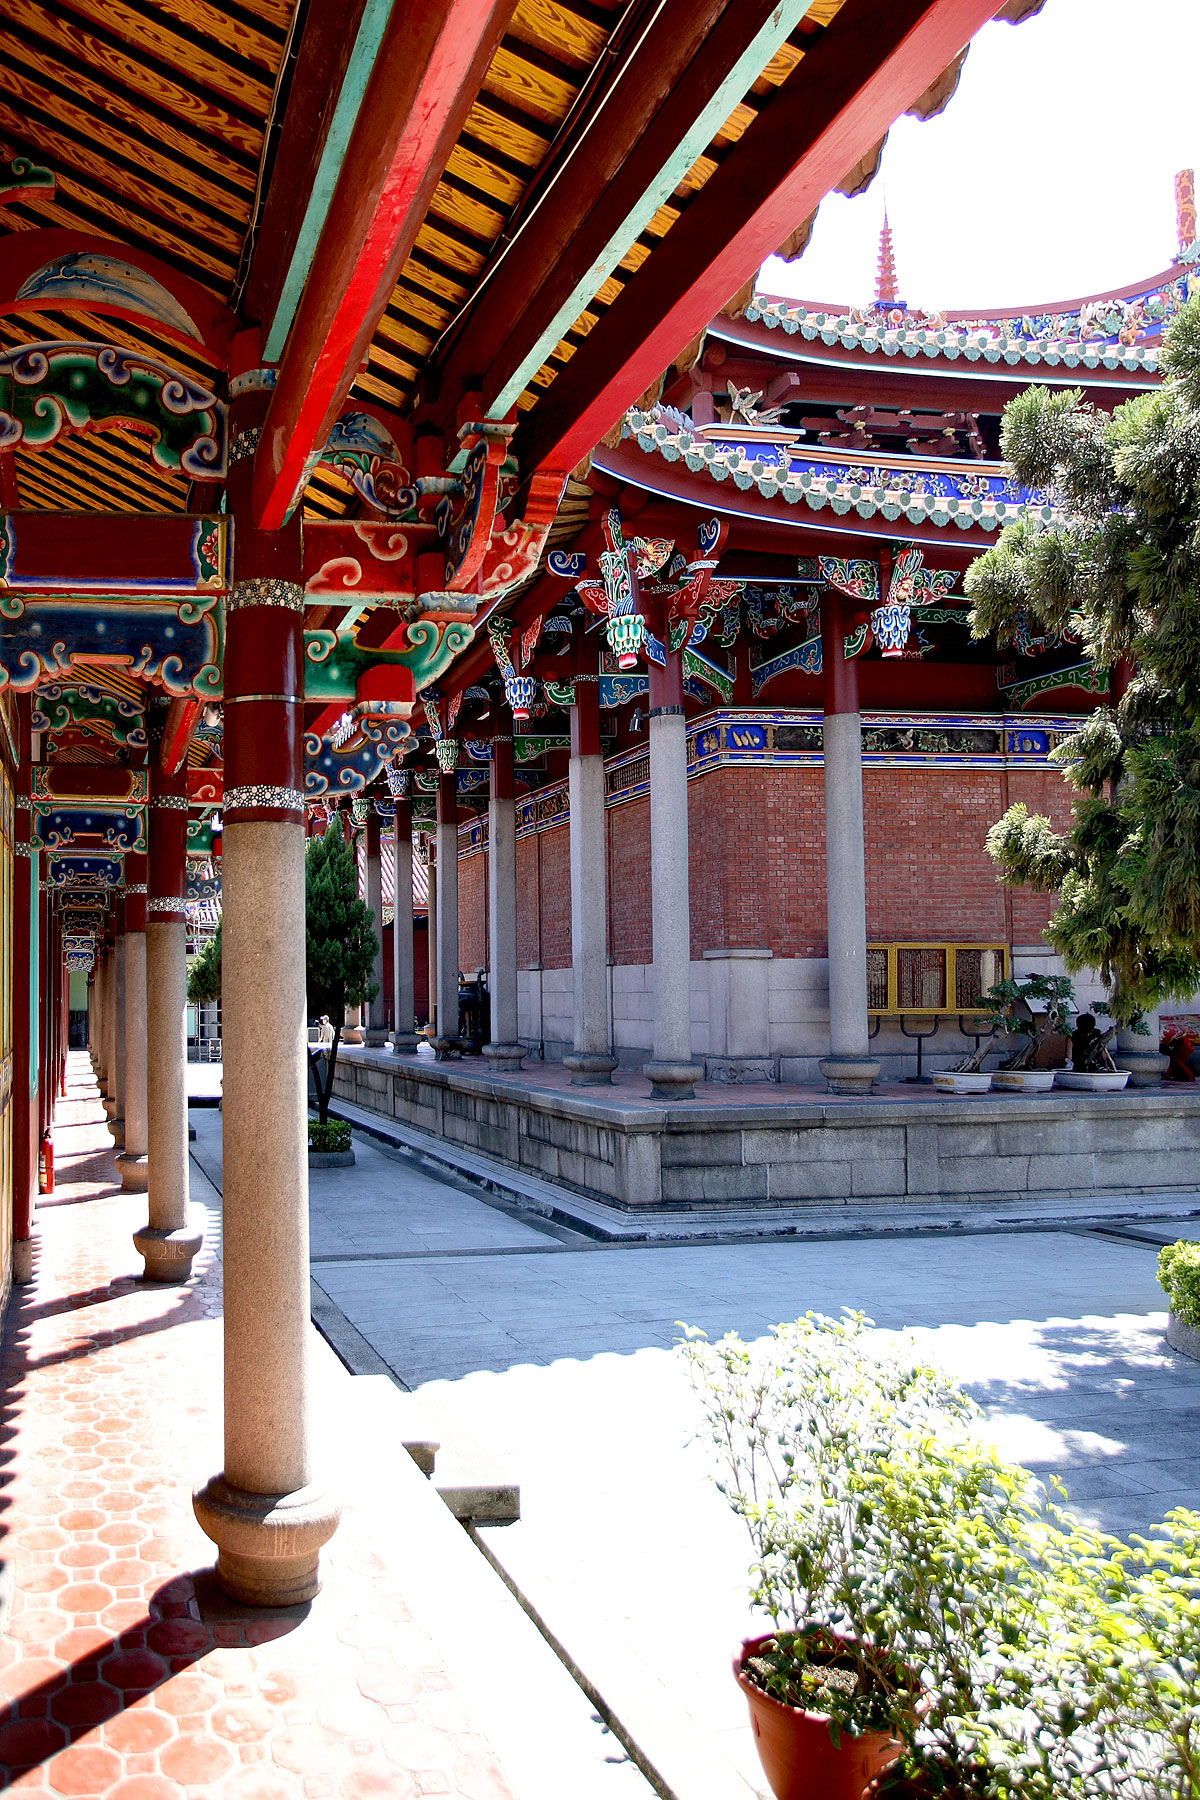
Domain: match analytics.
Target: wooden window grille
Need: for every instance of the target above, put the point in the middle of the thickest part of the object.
(932, 978)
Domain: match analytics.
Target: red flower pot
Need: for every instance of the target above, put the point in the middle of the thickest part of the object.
(798, 1754)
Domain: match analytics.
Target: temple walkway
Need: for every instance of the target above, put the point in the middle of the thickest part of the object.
(126, 1674)
(552, 1352)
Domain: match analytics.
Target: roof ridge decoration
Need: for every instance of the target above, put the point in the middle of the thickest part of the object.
(780, 468)
(1109, 333)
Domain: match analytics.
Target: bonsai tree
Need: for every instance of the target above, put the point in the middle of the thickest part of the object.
(340, 941)
(1117, 565)
(1013, 1006)
(204, 976)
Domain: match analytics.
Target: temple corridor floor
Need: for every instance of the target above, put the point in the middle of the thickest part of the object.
(552, 1352)
(123, 1671)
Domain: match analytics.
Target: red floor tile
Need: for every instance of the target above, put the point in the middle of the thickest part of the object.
(126, 1674)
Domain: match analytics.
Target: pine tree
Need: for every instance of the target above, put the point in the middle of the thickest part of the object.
(1118, 567)
(340, 936)
(204, 976)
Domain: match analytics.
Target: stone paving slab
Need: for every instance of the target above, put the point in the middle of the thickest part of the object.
(126, 1674)
(624, 1548)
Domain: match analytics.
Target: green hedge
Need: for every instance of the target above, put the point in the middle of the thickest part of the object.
(333, 1135)
(1179, 1277)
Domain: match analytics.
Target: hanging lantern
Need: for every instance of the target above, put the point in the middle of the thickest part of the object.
(891, 625)
(626, 637)
(519, 691)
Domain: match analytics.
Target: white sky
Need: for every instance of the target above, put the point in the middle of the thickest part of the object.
(1050, 174)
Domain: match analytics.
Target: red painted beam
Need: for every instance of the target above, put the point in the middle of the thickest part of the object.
(870, 64)
(326, 43)
(650, 102)
(175, 554)
(182, 715)
(426, 77)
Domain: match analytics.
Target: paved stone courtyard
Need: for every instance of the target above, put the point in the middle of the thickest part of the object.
(548, 1355)
(124, 1673)
(553, 1353)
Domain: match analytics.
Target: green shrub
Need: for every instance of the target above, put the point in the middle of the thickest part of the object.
(334, 1134)
(1179, 1278)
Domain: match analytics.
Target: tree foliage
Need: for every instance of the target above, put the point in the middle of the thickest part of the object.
(1118, 567)
(204, 976)
(340, 944)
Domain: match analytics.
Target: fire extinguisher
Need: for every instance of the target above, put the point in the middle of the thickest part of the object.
(46, 1164)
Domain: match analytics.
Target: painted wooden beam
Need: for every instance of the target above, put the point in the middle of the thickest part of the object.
(590, 161)
(44, 553)
(426, 76)
(333, 62)
(181, 719)
(870, 64)
(741, 44)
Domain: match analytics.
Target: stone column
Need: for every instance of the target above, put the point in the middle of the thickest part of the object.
(114, 1107)
(97, 1022)
(24, 1033)
(264, 1511)
(591, 1060)
(446, 1042)
(504, 1051)
(431, 931)
(375, 1031)
(133, 1161)
(404, 998)
(672, 1072)
(170, 1239)
(849, 1068)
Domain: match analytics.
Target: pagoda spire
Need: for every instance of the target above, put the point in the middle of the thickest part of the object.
(885, 275)
(1185, 207)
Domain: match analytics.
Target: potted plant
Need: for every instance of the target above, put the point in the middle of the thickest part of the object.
(872, 1510)
(1034, 1010)
(1179, 1278)
(1092, 1067)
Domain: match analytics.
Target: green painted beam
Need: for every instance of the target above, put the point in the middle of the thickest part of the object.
(375, 17)
(736, 85)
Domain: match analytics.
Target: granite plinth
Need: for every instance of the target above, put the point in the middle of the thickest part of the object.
(783, 1145)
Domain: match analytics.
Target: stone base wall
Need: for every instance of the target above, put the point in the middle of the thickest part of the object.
(755, 1017)
(639, 1154)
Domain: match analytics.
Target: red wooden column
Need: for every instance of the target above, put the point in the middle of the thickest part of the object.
(24, 1002)
(264, 1512)
(849, 1067)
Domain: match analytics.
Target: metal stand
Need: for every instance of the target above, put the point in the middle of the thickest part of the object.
(919, 1038)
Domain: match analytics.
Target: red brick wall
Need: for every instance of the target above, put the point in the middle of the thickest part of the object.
(758, 865)
(472, 912)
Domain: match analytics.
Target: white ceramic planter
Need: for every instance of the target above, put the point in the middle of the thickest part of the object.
(1023, 1081)
(1103, 1081)
(947, 1081)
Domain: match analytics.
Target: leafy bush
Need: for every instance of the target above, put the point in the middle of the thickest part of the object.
(332, 1134)
(1017, 1654)
(871, 1509)
(1179, 1278)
